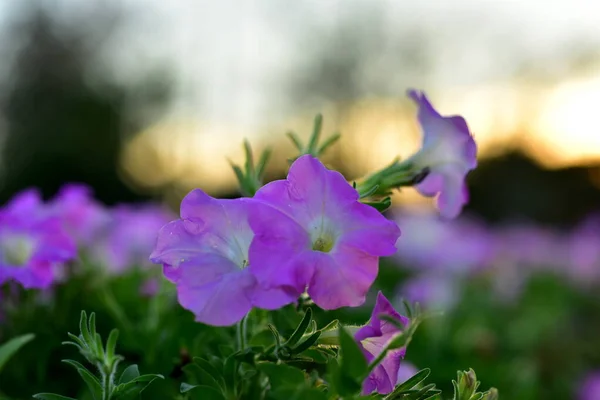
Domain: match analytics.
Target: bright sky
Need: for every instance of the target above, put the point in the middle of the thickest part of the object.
(233, 60)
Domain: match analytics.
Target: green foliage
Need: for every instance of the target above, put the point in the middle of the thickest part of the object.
(312, 147)
(297, 352)
(9, 349)
(103, 385)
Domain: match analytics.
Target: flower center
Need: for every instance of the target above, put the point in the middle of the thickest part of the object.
(322, 234)
(323, 243)
(16, 250)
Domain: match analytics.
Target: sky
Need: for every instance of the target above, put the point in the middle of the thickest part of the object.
(500, 63)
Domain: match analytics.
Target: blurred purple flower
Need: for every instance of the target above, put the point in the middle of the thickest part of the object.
(205, 253)
(590, 387)
(130, 236)
(447, 246)
(448, 152)
(373, 338)
(81, 215)
(330, 243)
(33, 245)
(432, 291)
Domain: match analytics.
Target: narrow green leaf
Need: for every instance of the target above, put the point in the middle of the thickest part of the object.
(186, 387)
(83, 327)
(413, 381)
(133, 388)
(77, 339)
(91, 381)
(306, 344)
(51, 396)
(301, 329)
(281, 375)
(249, 158)
(353, 361)
(328, 143)
(204, 392)
(129, 374)
(111, 344)
(8, 349)
(230, 371)
(209, 369)
(314, 138)
(262, 163)
(296, 140)
(275, 335)
(93, 325)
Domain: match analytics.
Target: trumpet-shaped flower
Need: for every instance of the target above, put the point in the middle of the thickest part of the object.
(373, 338)
(205, 253)
(318, 237)
(33, 245)
(448, 153)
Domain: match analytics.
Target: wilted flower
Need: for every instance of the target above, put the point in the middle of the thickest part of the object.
(328, 244)
(205, 253)
(373, 338)
(33, 245)
(448, 153)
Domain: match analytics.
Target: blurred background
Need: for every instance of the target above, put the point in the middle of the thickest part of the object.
(147, 99)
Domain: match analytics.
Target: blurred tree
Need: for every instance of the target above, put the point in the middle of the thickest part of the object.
(513, 187)
(64, 120)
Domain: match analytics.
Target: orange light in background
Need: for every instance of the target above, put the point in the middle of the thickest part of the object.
(569, 122)
(555, 125)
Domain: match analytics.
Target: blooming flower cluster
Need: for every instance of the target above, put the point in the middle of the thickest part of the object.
(39, 239)
(308, 232)
(311, 234)
(442, 254)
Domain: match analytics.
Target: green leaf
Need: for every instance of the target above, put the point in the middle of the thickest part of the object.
(211, 371)
(83, 327)
(353, 361)
(263, 338)
(111, 344)
(230, 371)
(281, 375)
(205, 392)
(129, 374)
(413, 381)
(301, 329)
(133, 388)
(8, 349)
(306, 344)
(186, 387)
(51, 396)
(91, 381)
(314, 138)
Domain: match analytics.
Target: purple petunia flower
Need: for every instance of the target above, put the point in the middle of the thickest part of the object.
(318, 237)
(405, 372)
(448, 152)
(373, 338)
(590, 387)
(81, 215)
(205, 253)
(33, 245)
(130, 236)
